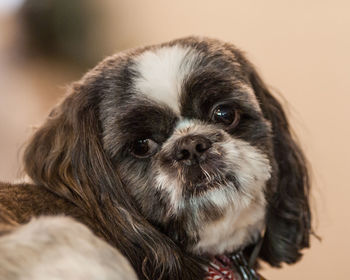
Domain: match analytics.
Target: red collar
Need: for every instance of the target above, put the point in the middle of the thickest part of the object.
(221, 270)
(234, 267)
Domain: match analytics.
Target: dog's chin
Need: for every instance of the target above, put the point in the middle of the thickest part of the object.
(211, 174)
(204, 184)
(228, 217)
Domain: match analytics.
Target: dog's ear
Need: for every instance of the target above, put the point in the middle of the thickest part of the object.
(288, 219)
(66, 156)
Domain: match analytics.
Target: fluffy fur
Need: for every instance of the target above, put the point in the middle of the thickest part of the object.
(59, 248)
(221, 165)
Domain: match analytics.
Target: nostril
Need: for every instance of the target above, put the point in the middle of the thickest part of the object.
(200, 148)
(183, 155)
(203, 146)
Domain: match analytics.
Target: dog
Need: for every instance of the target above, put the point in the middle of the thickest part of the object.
(176, 154)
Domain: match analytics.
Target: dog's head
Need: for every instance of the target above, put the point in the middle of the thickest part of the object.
(178, 150)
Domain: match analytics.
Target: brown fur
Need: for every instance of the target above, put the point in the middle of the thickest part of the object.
(19, 203)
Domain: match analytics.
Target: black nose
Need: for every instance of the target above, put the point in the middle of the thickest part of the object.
(192, 148)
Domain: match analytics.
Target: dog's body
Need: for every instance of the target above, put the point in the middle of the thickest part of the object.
(173, 154)
(21, 202)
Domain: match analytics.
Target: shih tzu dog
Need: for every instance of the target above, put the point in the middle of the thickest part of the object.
(178, 156)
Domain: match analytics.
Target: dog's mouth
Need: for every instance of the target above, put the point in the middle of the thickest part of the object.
(202, 178)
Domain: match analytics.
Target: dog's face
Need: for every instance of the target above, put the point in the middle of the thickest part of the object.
(182, 139)
(190, 142)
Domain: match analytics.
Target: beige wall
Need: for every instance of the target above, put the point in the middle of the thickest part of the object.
(300, 47)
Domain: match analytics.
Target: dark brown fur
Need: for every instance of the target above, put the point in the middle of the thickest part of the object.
(19, 203)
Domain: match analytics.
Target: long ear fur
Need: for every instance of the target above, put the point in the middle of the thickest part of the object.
(288, 219)
(66, 156)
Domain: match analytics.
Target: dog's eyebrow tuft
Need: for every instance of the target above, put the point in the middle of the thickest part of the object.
(162, 72)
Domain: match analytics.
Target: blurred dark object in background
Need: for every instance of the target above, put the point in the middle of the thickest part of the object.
(61, 29)
(44, 46)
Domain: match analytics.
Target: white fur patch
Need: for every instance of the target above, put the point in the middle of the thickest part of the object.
(162, 72)
(52, 248)
(184, 123)
(174, 190)
(238, 227)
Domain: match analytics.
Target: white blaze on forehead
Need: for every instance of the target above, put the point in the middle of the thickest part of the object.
(184, 123)
(162, 72)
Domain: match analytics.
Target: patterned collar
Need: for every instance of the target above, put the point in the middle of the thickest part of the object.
(233, 267)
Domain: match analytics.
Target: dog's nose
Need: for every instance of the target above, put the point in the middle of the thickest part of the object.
(192, 148)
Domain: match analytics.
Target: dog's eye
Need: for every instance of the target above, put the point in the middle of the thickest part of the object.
(144, 148)
(226, 115)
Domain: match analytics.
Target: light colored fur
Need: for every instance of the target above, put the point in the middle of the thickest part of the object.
(162, 72)
(238, 227)
(53, 248)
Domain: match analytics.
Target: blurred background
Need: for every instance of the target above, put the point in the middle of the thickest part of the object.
(302, 49)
